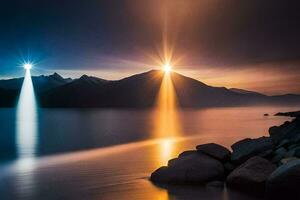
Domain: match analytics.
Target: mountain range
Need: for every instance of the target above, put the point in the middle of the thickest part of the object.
(138, 91)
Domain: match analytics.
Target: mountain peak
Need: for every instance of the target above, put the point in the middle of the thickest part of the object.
(56, 76)
(83, 77)
(91, 79)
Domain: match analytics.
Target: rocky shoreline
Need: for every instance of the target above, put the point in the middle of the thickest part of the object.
(266, 166)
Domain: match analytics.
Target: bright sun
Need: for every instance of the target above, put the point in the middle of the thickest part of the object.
(167, 68)
(27, 66)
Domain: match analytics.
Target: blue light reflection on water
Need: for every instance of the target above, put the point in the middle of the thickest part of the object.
(26, 120)
(26, 137)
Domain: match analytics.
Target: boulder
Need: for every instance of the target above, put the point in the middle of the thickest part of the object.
(229, 167)
(293, 146)
(283, 143)
(190, 169)
(247, 148)
(286, 160)
(187, 153)
(279, 154)
(266, 154)
(284, 182)
(252, 175)
(288, 130)
(214, 150)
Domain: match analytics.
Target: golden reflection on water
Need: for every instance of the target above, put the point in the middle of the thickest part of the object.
(166, 122)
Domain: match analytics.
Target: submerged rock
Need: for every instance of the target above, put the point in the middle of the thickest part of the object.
(284, 182)
(214, 150)
(245, 149)
(190, 169)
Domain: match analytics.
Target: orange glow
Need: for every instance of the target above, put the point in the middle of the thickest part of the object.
(167, 68)
(166, 120)
(167, 123)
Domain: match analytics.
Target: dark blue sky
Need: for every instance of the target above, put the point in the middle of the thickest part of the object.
(216, 38)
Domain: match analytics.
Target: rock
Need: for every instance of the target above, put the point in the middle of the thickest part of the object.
(251, 175)
(161, 175)
(296, 139)
(289, 114)
(191, 169)
(215, 184)
(229, 167)
(266, 114)
(293, 146)
(171, 162)
(293, 152)
(297, 152)
(284, 182)
(283, 143)
(187, 153)
(288, 130)
(266, 154)
(279, 154)
(214, 150)
(286, 160)
(245, 149)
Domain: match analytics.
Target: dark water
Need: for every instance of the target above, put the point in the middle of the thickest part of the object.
(108, 154)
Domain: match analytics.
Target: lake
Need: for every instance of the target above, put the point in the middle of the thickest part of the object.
(109, 154)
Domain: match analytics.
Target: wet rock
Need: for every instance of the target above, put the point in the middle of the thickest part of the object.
(251, 175)
(245, 149)
(214, 150)
(284, 182)
(286, 160)
(191, 169)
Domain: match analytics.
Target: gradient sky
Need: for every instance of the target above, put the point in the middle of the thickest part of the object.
(249, 44)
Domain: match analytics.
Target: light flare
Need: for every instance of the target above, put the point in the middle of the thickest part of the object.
(27, 66)
(26, 120)
(167, 124)
(167, 68)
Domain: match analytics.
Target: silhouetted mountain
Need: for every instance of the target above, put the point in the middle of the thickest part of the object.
(244, 91)
(135, 91)
(40, 83)
(141, 91)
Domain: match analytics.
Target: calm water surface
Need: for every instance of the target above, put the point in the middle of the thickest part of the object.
(109, 154)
